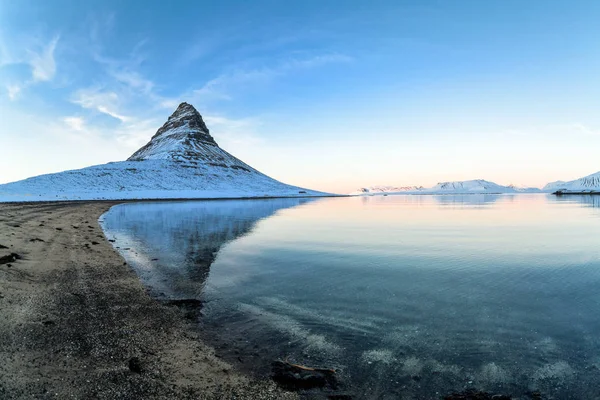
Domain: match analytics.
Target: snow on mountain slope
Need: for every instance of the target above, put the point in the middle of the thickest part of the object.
(182, 160)
(587, 184)
(477, 186)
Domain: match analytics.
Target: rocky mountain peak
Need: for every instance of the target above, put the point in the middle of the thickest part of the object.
(185, 114)
(182, 136)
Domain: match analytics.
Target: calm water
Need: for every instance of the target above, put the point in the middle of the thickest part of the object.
(407, 296)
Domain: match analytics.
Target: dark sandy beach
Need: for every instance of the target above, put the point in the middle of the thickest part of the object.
(75, 321)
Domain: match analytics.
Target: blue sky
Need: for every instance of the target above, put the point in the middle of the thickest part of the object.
(332, 95)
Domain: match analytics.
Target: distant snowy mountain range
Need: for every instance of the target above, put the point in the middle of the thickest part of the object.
(476, 186)
(182, 160)
(587, 184)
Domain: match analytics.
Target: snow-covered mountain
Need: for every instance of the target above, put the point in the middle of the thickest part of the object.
(182, 160)
(587, 184)
(525, 189)
(477, 186)
(386, 190)
(473, 186)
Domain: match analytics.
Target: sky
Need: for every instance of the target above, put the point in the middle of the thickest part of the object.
(330, 95)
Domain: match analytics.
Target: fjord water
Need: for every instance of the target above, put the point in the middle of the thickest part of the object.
(406, 296)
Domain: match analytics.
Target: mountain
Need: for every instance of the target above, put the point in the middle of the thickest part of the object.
(587, 184)
(386, 190)
(477, 186)
(473, 186)
(182, 160)
(525, 189)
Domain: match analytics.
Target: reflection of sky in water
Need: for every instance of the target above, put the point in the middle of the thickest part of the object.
(499, 291)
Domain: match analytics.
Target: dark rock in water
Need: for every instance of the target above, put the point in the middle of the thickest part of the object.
(36, 240)
(49, 323)
(296, 377)
(95, 243)
(12, 257)
(135, 365)
(476, 395)
(3, 247)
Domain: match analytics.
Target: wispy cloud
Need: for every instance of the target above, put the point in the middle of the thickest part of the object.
(13, 91)
(106, 102)
(43, 64)
(127, 136)
(75, 123)
(219, 87)
(125, 79)
(233, 132)
(584, 129)
(134, 80)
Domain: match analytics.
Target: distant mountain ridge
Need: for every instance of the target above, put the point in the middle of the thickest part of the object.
(388, 189)
(182, 160)
(587, 184)
(475, 186)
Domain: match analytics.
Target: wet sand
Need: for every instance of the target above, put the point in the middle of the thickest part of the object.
(76, 322)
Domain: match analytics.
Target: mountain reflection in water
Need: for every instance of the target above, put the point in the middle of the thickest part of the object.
(183, 238)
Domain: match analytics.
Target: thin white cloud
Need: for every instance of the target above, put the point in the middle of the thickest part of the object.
(43, 64)
(218, 88)
(124, 78)
(13, 91)
(233, 133)
(75, 123)
(96, 99)
(584, 129)
(134, 80)
(169, 104)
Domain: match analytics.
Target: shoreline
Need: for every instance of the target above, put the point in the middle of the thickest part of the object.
(77, 321)
(144, 200)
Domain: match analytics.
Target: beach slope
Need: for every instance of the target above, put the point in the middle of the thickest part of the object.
(75, 321)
